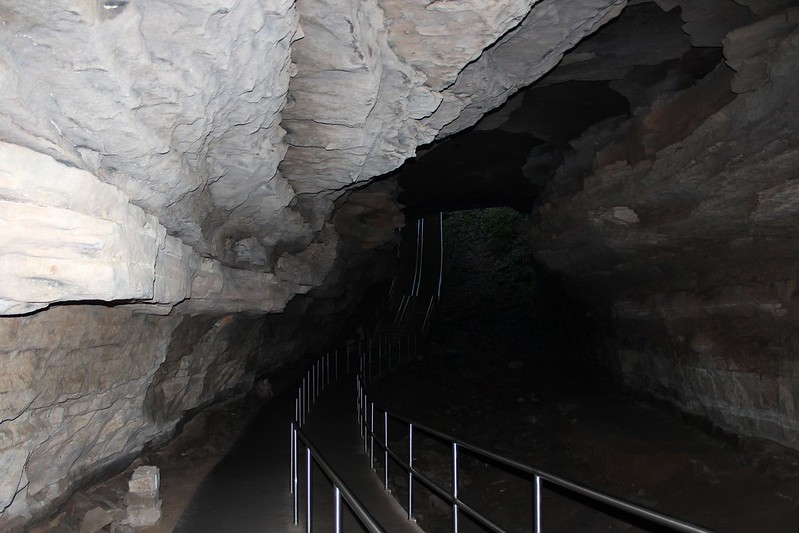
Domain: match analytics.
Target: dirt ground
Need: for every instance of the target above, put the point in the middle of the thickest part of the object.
(606, 441)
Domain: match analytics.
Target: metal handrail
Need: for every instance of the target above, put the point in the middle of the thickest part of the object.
(340, 489)
(324, 371)
(367, 417)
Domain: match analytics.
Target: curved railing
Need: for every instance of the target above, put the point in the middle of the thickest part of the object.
(372, 359)
(340, 489)
(377, 436)
(386, 352)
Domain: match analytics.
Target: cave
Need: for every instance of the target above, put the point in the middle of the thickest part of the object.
(198, 197)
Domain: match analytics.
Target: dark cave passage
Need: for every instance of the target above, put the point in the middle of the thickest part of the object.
(508, 366)
(190, 218)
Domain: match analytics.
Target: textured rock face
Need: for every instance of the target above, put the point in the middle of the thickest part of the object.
(182, 108)
(521, 57)
(72, 402)
(66, 236)
(200, 169)
(684, 241)
(187, 160)
(85, 387)
(175, 103)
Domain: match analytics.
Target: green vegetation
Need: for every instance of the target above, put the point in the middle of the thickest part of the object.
(492, 243)
(499, 227)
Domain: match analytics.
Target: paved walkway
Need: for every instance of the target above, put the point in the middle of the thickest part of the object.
(248, 490)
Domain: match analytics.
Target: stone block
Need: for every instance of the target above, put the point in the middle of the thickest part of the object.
(145, 480)
(95, 520)
(143, 516)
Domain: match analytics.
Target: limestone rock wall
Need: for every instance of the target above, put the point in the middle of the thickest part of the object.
(175, 173)
(227, 131)
(72, 387)
(519, 58)
(68, 237)
(175, 103)
(83, 388)
(686, 248)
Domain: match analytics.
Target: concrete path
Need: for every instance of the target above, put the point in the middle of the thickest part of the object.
(333, 428)
(248, 490)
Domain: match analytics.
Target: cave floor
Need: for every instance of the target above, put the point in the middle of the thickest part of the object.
(509, 383)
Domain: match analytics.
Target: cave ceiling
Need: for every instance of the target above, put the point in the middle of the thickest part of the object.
(235, 129)
(510, 153)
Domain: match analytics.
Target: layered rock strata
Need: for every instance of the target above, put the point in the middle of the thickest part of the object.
(680, 232)
(184, 202)
(153, 208)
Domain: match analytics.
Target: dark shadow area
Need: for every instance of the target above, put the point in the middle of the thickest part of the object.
(508, 367)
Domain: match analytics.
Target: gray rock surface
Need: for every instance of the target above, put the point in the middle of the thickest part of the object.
(143, 499)
(176, 174)
(686, 253)
(177, 104)
(189, 103)
(519, 58)
(95, 520)
(66, 236)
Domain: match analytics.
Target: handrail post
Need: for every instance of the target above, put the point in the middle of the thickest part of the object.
(537, 503)
(295, 492)
(410, 471)
(337, 496)
(365, 424)
(308, 489)
(455, 487)
(302, 400)
(291, 458)
(385, 451)
(372, 436)
(360, 406)
(358, 400)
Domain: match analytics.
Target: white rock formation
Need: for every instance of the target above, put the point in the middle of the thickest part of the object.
(179, 106)
(66, 236)
(201, 159)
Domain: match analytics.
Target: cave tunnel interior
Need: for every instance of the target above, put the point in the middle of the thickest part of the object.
(516, 357)
(602, 270)
(509, 159)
